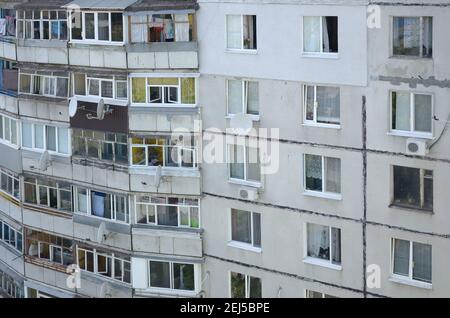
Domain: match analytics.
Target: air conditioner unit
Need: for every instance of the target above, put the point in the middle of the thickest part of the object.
(417, 147)
(248, 194)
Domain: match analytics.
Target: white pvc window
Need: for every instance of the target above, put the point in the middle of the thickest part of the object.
(43, 85)
(242, 97)
(321, 105)
(245, 286)
(244, 163)
(10, 183)
(52, 194)
(246, 227)
(241, 32)
(322, 174)
(45, 137)
(323, 243)
(104, 27)
(169, 275)
(320, 34)
(9, 130)
(11, 236)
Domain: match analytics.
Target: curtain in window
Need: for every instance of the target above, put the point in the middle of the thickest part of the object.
(313, 172)
(139, 30)
(401, 257)
(2, 26)
(422, 262)
(89, 29)
(249, 28)
(234, 97)
(27, 132)
(252, 97)
(318, 241)
(237, 285)
(333, 175)
(139, 91)
(336, 245)
(181, 28)
(253, 164)
(241, 226)
(407, 36)
(311, 34)
(98, 203)
(255, 288)
(188, 90)
(167, 215)
(257, 229)
(234, 36)
(401, 111)
(237, 161)
(422, 113)
(309, 91)
(50, 133)
(328, 105)
(427, 31)
(325, 35)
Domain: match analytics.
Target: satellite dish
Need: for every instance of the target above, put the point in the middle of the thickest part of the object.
(241, 123)
(157, 178)
(73, 104)
(44, 161)
(101, 232)
(105, 290)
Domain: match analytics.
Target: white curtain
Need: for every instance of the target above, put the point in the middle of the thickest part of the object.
(411, 32)
(422, 113)
(328, 105)
(234, 35)
(401, 257)
(181, 28)
(402, 111)
(82, 200)
(98, 204)
(139, 29)
(318, 241)
(326, 40)
(252, 97)
(422, 262)
(333, 175)
(336, 245)
(313, 166)
(234, 97)
(311, 34)
(427, 36)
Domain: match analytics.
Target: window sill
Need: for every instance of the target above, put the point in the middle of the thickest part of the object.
(244, 246)
(410, 135)
(320, 125)
(322, 263)
(242, 51)
(323, 195)
(330, 56)
(253, 117)
(253, 184)
(410, 209)
(410, 282)
(410, 57)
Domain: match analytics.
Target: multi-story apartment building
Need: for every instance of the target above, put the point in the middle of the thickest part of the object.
(110, 112)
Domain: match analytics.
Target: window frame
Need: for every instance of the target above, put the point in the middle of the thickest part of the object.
(314, 122)
(113, 204)
(178, 206)
(321, 53)
(320, 261)
(6, 228)
(245, 180)
(21, 19)
(96, 37)
(409, 279)
(411, 132)
(172, 276)
(15, 180)
(244, 108)
(37, 187)
(44, 141)
(8, 141)
(247, 286)
(421, 43)
(323, 194)
(42, 81)
(241, 49)
(244, 245)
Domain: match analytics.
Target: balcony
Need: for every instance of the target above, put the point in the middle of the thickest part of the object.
(97, 56)
(47, 220)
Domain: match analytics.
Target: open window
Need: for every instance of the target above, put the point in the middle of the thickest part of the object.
(243, 97)
(241, 32)
(320, 35)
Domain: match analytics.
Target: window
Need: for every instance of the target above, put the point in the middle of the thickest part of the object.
(321, 105)
(322, 174)
(244, 163)
(413, 188)
(49, 247)
(52, 194)
(163, 151)
(241, 32)
(9, 183)
(107, 264)
(246, 228)
(412, 113)
(10, 287)
(411, 260)
(314, 294)
(168, 211)
(9, 16)
(161, 28)
(9, 77)
(245, 286)
(100, 145)
(177, 276)
(44, 137)
(160, 91)
(42, 25)
(9, 130)
(11, 236)
(112, 87)
(413, 36)
(323, 243)
(44, 85)
(320, 34)
(96, 26)
(100, 204)
(243, 97)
